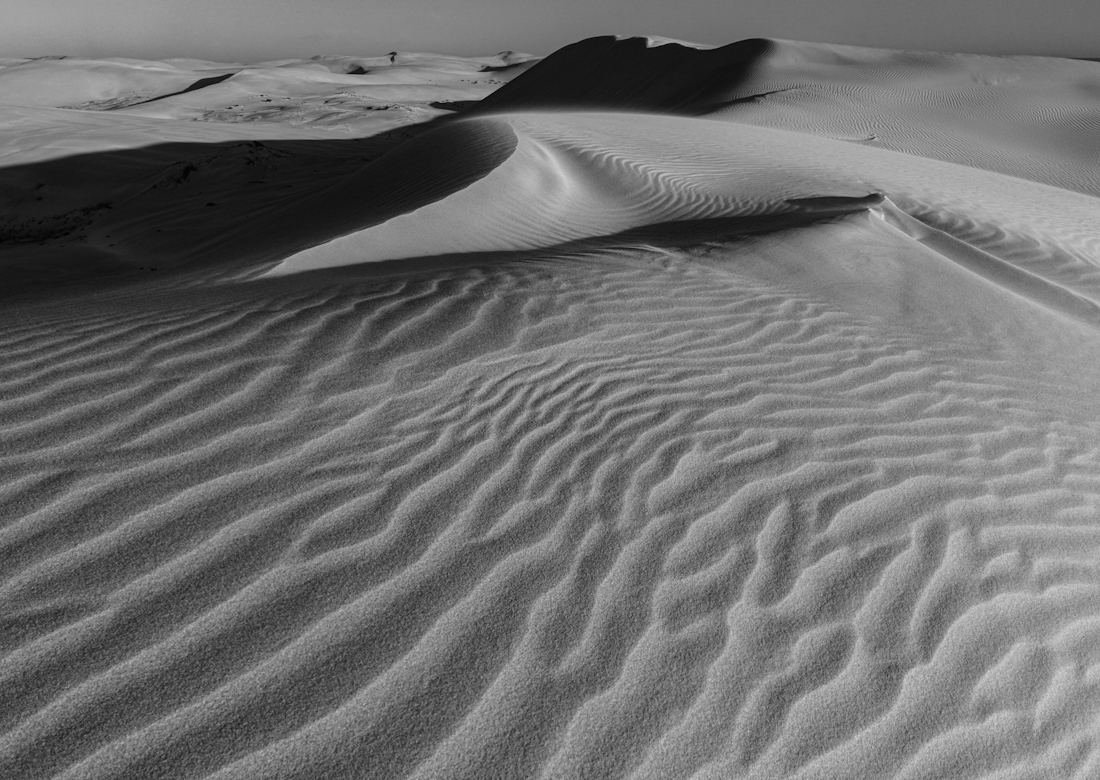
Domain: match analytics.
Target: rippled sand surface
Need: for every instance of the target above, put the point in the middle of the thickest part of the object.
(680, 431)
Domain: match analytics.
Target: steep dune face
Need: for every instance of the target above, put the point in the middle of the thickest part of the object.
(448, 163)
(624, 426)
(630, 74)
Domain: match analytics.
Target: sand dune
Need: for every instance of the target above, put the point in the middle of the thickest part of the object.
(1030, 117)
(580, 175)
(616, 427)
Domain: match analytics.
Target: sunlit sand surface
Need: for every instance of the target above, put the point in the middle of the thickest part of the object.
(646, 411)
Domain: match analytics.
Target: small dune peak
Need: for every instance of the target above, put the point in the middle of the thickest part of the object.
(651, 74)
(658, 40)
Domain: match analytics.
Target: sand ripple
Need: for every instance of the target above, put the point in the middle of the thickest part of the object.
(539, 521)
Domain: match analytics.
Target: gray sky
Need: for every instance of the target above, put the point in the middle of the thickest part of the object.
(253, 30)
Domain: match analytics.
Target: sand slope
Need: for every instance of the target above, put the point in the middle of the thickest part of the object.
(552, 443)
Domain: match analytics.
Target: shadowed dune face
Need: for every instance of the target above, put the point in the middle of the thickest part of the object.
(99, 217)
(628, 74)
(650, 440)
(209, 81)
(438, 164)
(268, 199)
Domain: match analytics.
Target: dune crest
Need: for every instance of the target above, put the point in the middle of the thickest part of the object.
(584, 175)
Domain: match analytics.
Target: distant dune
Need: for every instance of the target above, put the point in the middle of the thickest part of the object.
(647, 410)
(359, 95)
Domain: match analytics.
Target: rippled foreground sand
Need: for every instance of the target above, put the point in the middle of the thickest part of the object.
(671, 412)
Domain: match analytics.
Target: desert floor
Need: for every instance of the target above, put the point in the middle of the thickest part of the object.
(646, 410)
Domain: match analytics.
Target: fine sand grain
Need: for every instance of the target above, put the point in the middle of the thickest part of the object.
(737, 423)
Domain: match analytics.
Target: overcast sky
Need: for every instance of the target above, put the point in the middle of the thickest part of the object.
(253, 30)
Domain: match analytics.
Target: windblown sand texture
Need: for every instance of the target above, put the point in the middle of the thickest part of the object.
(667, 412)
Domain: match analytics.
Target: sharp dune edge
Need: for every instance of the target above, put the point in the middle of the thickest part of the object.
(643, 411)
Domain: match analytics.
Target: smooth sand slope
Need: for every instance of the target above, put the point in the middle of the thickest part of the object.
(672, 412)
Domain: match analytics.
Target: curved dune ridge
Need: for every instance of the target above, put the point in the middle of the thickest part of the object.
(569, 177)
(583, 175)
(451, 160)
(626, 425)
